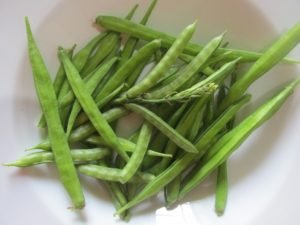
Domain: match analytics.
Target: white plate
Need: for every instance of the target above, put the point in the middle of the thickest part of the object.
(264, 177)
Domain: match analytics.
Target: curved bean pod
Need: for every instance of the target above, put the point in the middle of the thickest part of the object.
(163, 127)
(137, 157)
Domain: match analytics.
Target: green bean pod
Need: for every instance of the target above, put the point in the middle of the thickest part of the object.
(90, 107)
(57, 84)
(221, 150)
(163, 127)
(58, 139)
(111, 174)
(183, 127)
(155, 74)
(90, 85)
(191, 69)
(221, 189)
(127, 145)
(127, 68)
(106, 46)
(177, 167)
(131, 42)
(137, 157)
(78, 156)
(91, 81)
(270, 58)
(149, 34)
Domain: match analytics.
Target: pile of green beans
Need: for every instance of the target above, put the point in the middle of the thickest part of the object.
(188, 101)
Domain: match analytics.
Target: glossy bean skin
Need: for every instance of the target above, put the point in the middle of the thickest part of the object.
(78, 156)
(221, 150)
(149, 34)
(269, 59)
(49, 105)
(155, 74)
(163, 127)
(191, 69)
(89, 106)
(137, 157)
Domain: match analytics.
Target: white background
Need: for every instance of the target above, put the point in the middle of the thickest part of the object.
(264, 176)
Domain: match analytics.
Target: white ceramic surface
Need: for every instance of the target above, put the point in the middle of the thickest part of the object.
(263, 174)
